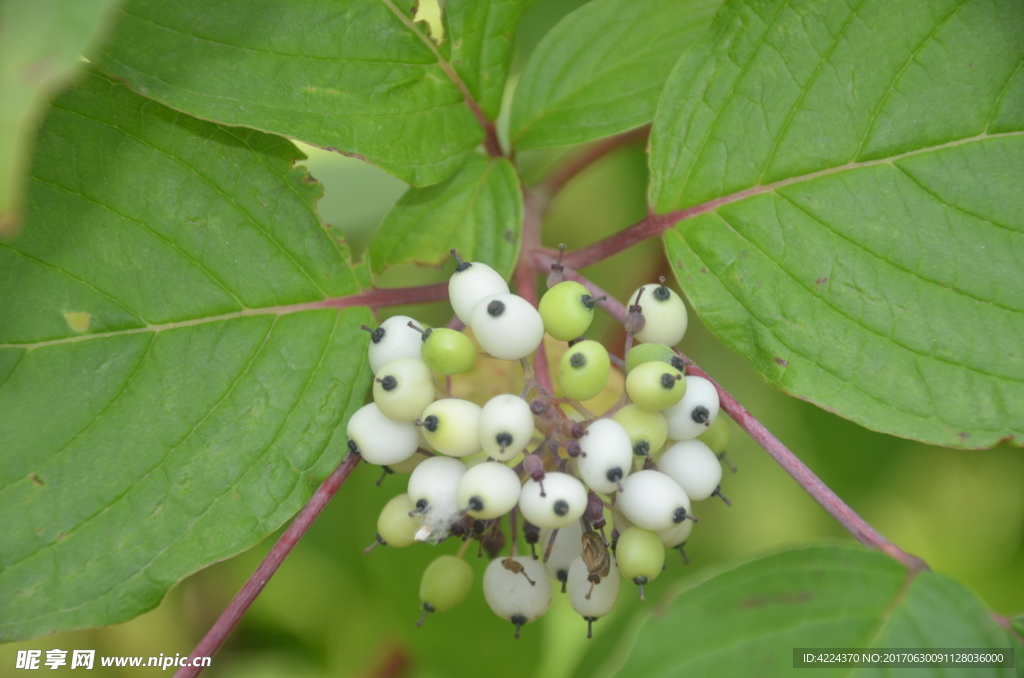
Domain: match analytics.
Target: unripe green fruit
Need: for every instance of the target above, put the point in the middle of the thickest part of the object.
(446, 583)
(640, 555)
(646, 353)
(664, 315)
(448, 351)
(655, 386)
(394, 526)
(403, 388)
(648, 431)
(567, 310)
(584, 369)
(717, 436)
(452, 426)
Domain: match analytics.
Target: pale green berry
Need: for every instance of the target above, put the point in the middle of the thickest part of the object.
(584, 369)
(694, 466)
(507, 326)
(640, 556)
(648, 431)
(506, 426)
(452, 426)
(393, 339)
(645, 353)
(593, 599)
(695, 413)
(471, 282)
(567, 310)
(403, 388)
(394, 525)
(606, 457)
(664, 315)
(446, 583)
(655, 386)
(717, 436)
(653, 500)
(381, 440)
(447, 351)
(553, 502)
(488, 490)
(520, 597)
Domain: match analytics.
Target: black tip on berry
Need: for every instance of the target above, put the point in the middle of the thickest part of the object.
(642, 448)
(520, 621)
(388, 383)
(701, 415)
(503, 440)
(662, 293)
(679, 515)
(668, 381)
(590, 302)
(614, 475)
(463, 265)
(476, 504)
(561, 507)
(431, 423)
(562, 576)
(678, 363)
(639, 581)
(421, 505)
(352, 447)
(495, 308)
(375, 334)
(578, 360)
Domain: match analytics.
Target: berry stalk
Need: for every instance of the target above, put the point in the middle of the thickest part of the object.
(231, 615)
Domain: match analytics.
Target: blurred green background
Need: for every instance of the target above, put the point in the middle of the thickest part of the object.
(333, 611)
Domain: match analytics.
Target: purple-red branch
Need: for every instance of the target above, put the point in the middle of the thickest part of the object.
(219, 632)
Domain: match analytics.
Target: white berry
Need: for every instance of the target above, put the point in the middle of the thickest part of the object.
(506, 426)
(664, 315)
(692, 415)
(694, 466)
(488, 490)
(554, 502)
(677, 535)
(471, 284)
(652, 500)
(394, 339)
(568, 547)
(589, 599)
(607, 456)
(512, 596)
(433, 488)
(507, 326)
(381, 440)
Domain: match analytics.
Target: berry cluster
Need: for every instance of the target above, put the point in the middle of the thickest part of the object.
(545, 457)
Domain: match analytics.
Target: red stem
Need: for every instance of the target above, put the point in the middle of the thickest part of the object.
(228, 619)
(785, 458)
(588, 156)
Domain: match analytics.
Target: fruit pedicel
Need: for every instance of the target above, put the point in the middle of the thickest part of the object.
(556, 471)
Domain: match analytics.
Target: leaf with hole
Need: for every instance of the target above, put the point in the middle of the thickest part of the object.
(174, 376)
(42, 42)
(478, 211)
(814, 597)
(848, 183)
(600, 70)
(355, 76)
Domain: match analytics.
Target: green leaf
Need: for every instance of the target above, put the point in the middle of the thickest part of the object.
(479, 38)
(600, 70)
(479, 212)
(354, 76)
(820, 596)
(40, 46)
(1018, 624)
(169, 302)
(849, 184)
